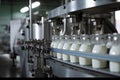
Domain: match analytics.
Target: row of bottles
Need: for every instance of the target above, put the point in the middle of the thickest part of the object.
(96, 44)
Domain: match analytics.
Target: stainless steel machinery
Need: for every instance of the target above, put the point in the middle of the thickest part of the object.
(26, 47)
(83, 17)
(74, 17)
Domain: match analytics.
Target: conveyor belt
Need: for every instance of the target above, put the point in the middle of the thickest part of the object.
(87, 69)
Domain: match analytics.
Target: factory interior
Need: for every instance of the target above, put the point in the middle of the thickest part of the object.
(59, 38)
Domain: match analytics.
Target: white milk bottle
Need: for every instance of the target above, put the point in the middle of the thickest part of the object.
(115, 51)
(52, 44)
(60, 46)
(67, 46)
(55, 45)
(86, 46)
(109, 42)
(75, 47)
(99, 48)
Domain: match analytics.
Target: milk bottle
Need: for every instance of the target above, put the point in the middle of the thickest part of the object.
(109, 42)
(75, 47)
(67, 46)
(60, 46)
(99, 48)
(55, 45)
(115, 51)
(52, 44)
(86, 46)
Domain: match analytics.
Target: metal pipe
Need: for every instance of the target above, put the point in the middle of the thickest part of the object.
(65, 19)
(30, 16)
(31, 38)
(65, 25)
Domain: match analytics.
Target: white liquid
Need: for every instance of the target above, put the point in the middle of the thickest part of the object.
(66, 46)
(97, 50)
(60, 46)
(74, 47)
(114, 66)
(55, 46)
(85, 48)
(52, 44)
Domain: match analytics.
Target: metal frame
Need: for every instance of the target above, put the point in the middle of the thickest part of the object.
(30, 16)
(89, 6)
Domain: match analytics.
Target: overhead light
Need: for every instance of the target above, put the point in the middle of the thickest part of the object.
(118, 0)
(24, 9)
(34, 5)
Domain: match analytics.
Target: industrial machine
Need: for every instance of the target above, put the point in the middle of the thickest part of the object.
(71, 41)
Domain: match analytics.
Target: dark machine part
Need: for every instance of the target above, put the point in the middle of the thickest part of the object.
(109, 27)
(41, 48)
(85, 24)
(46, 68)
(56, 25)
(97, 23)
(36, 57)
(74, 23)
(68, 24)
(31, 49)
